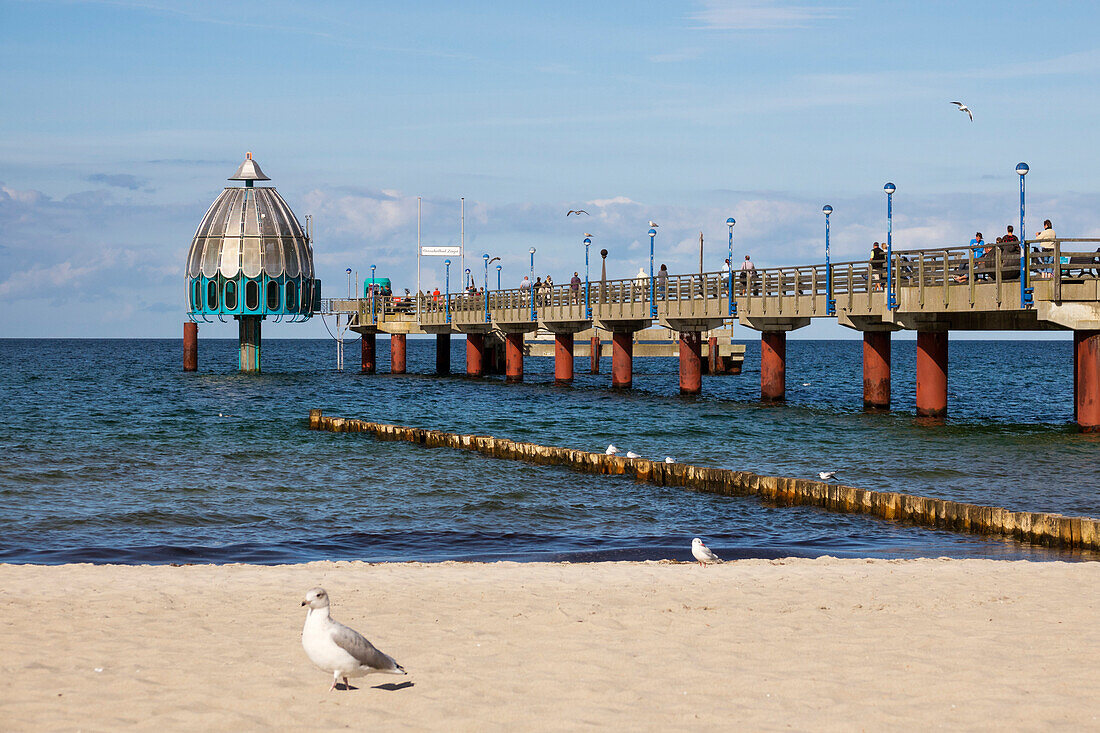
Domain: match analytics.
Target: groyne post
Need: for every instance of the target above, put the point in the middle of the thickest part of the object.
(563, 358)
(691, 362)
(513, 357)
(190, 346)
(443, 354)
(932, 374)
(773, 366)
(1086, 359)
(876, 370)
(475, 354)
(398, 343)
(368, 344)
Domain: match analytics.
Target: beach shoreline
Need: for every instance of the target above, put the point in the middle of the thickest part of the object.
(820, 643)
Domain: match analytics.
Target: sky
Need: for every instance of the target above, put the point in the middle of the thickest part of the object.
(120, 121)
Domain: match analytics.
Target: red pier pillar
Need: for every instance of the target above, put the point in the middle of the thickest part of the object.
(876, 370)
(1086, 348)
(475, 354)
(513, 357)
(563, 358)
(594, 355)
(622, 359)
(443, 353)
(397, 353)
(190, 347)
(773, 366)
(691, 362)
(932, 374)
(369, 341)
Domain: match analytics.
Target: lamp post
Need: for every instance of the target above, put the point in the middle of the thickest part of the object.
(469, 280)
(373, 293)
(587, 299)
(447, 290)
(485, 257)
(830, 302)
(532, 282)
(891, 303)
(348, 271)
(498, 277)
(652, 280)
(1025, 291)
(729, 263)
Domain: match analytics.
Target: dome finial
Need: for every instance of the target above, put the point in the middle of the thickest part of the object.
(249, 170)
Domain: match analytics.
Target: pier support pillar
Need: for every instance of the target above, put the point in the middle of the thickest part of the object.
(932, 374)
(368, 362)
(594, 355)
(250, 343)
(691, 362)
(190, 346)
(622, 359)
(1086, 357)
(397, 353)
(876, 370)
(773, 366)
(513, 357)
(563, 358)
(475, 354)
(443, 354)
(714, 362)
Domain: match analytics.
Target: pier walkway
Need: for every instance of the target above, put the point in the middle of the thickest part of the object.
(930, 291)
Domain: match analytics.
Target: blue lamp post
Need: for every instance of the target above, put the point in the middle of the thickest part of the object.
(348, 271)
(447, 290)
(469, 280)
(652, 279)
(830, 302)
(587, 300)
(532, 283)
(373, 292)
(498, 277)
(729, 263)
(485, 257)
(1025, 291)
(891, 302)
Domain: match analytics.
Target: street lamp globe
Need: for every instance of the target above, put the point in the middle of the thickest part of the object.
(889, 188)
(730, 222)
(826, 209)
(1022, 169)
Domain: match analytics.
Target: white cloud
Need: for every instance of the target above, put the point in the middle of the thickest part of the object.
(742, 15)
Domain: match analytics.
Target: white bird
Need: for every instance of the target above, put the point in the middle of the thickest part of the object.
(611, 450)
(669, 459)
(335, 648)
(964, 108)
(702, 553)
(632, 454)
(826, 475)
(653, 225)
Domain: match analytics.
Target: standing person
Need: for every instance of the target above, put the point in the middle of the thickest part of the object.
(524, 288)
(726, 267)
(575, 286)
(878, 262)
(748, 272)
(662, 281)
(536, 290)
(1046, 246)
(978, 245)
(435, 294)
(1009, 237)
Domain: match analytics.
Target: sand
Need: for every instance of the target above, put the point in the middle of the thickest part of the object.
(754, 645)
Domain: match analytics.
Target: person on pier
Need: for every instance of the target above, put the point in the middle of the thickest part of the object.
(1046, 247)
(575, 287)
(748, 272)
(878, 262)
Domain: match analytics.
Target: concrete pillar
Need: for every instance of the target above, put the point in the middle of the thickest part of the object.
(513, 357)
(190, 346)
(1086, 357)
(773, 366)
(397, 353)
(368, 344)
(249, 330)
(563, 358)
(876, 370)
(595, 355)
(475, 355)
(622, 359)
(443, 353)
(691, 362)
(932, 374)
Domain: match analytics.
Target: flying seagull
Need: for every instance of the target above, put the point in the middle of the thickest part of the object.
(702, 553)
(964, 108)
(611, 450)
(335, 648)
(578, 212)
(826, 475)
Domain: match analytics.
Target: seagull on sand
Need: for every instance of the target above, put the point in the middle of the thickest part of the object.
(335, 648)
(611, 450)
(702, 553)
(578, 212)
(632, 454)
(826, 475)
(669, 459)
(964, 108)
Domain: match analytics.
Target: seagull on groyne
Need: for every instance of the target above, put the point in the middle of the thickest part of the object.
(702, 553)
(964, 108)
(826, 475)
(578, 212)
(611, 450)
(335, 648)
(632, 454)
(669, 459)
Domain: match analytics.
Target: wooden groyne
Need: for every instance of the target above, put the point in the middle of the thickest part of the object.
(1040, 528)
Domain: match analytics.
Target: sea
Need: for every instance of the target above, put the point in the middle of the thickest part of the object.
(113, 454)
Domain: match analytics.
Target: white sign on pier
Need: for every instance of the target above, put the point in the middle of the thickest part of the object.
(447, 251)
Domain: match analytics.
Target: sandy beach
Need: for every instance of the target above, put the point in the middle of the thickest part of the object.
(821, 644)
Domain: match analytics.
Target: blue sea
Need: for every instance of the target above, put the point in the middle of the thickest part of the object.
(112, 454)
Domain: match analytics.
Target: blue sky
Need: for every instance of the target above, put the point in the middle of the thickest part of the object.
(120, 121)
